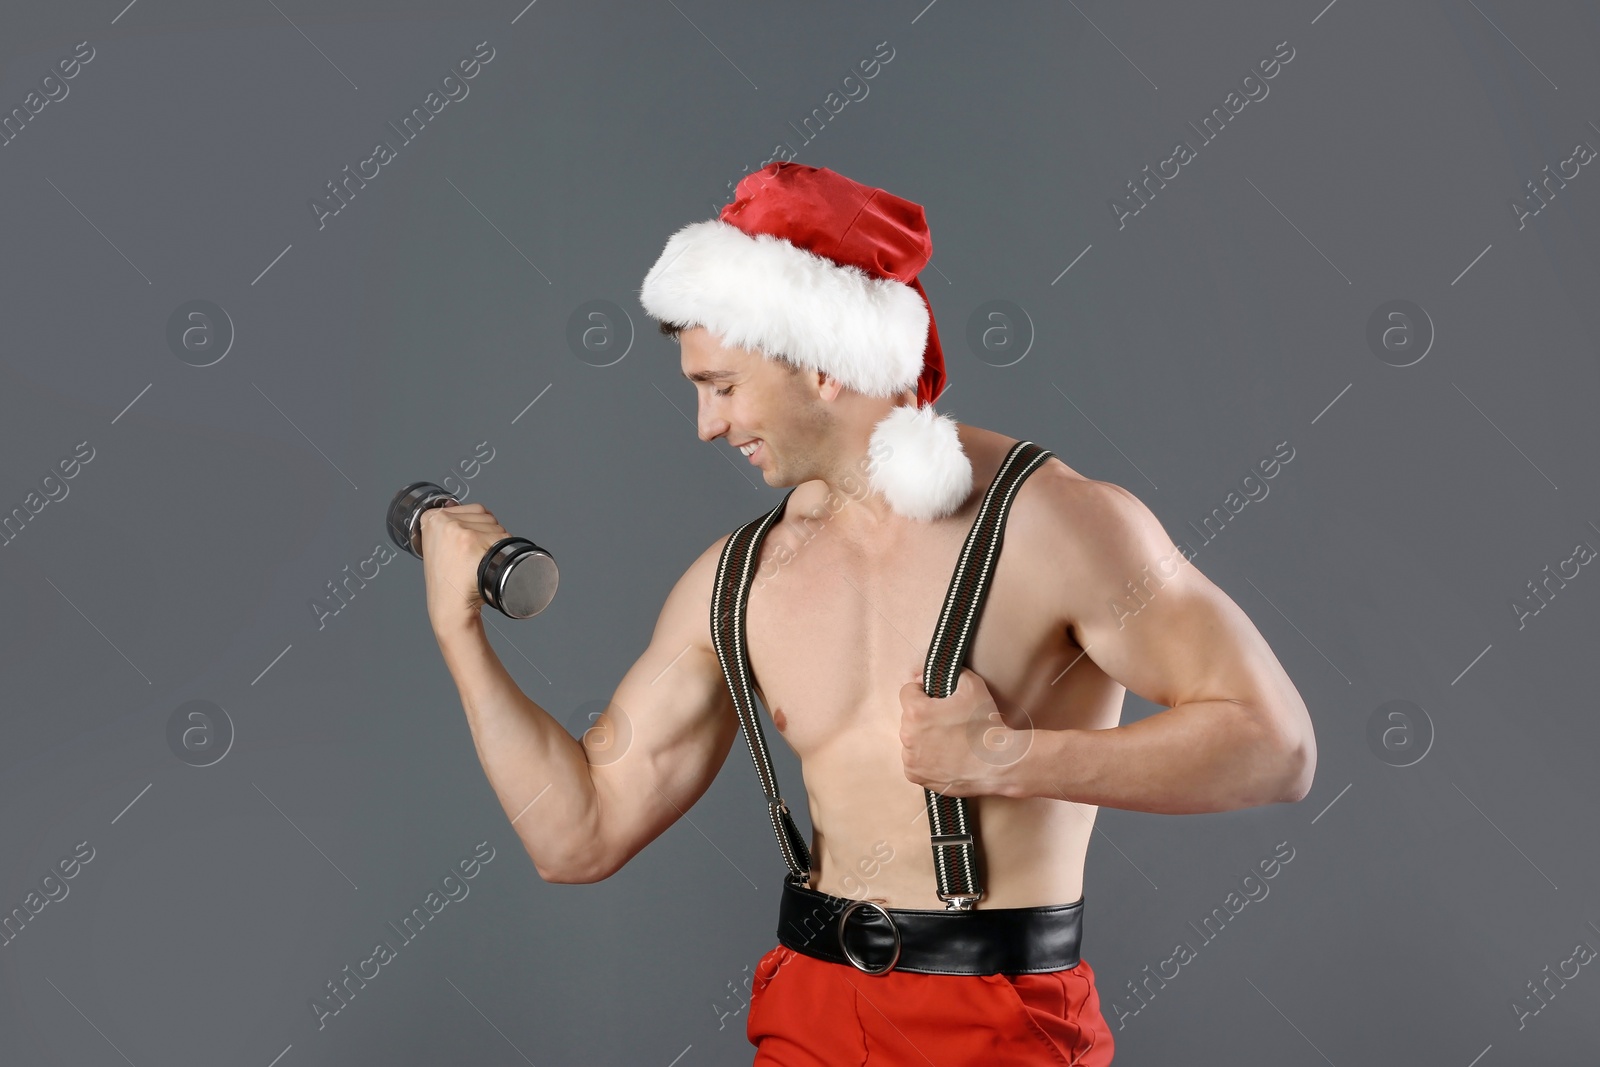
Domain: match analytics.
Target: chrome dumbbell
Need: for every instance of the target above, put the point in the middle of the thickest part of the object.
(516, 577)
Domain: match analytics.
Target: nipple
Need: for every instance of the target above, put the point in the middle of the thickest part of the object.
(779, 719)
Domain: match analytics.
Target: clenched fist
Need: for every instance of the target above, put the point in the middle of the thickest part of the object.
(455, 538)
(959, 745)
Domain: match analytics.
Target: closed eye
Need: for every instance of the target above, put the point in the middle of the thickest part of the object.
(723, 392)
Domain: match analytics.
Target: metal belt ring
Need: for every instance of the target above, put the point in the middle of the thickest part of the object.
(844, 917)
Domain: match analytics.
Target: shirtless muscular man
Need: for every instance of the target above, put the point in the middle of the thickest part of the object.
(970, 730)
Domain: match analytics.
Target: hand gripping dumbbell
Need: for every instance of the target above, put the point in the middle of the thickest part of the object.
(516, 577)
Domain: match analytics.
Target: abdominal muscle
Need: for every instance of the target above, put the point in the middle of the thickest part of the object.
(870, 834)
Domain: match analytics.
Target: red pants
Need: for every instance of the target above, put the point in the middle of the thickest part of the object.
(807, 1012)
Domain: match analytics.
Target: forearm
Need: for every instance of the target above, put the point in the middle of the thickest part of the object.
(1202, 756)
(536, 768)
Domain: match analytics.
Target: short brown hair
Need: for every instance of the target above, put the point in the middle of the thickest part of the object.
(674, 329)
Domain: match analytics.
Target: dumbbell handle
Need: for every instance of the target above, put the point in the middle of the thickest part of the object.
(515, 577)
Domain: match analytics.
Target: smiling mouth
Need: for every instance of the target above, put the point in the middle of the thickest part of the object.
(749, 450)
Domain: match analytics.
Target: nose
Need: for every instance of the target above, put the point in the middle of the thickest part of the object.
(709, 424)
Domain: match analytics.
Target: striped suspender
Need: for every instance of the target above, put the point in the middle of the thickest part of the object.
(955, 844)
(729, 597)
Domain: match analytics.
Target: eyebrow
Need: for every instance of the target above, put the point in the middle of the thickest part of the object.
(711, 375)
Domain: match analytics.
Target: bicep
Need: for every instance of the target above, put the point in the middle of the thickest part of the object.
(658, 745)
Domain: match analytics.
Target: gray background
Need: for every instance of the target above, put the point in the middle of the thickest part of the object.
(1229, 315)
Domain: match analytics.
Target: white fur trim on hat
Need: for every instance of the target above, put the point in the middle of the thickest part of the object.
(921, 469)
(763, 292)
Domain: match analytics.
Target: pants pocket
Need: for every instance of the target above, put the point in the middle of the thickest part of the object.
(767, 968)
(1063, 1010)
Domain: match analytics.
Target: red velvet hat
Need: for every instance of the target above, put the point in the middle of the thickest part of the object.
(821, 269)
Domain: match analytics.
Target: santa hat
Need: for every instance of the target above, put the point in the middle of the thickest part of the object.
(822, 270)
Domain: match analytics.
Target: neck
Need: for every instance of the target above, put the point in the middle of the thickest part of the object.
(851, 497)
(847, 500)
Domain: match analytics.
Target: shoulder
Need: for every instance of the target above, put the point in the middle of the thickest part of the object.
(699, 580)
(1096, 554)
(686, 613)
(702, 573)
(1085, 538)
(708, 561)
(685, 616)
(1072, 512)
(1051, 496)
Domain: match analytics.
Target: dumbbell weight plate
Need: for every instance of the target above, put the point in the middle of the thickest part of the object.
(517, 577)
(405, 513)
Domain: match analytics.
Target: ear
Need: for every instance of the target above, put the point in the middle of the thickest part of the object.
(828, 387)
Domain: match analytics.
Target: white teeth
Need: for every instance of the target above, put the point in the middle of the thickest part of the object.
(749, 448)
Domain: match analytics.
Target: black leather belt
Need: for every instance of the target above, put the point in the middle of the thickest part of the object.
(875, 939)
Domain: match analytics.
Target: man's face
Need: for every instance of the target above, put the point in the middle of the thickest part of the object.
(746, 397)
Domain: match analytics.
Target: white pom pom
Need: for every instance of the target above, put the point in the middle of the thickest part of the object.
(920, 467)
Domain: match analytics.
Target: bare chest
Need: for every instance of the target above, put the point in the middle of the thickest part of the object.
(834, 631)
